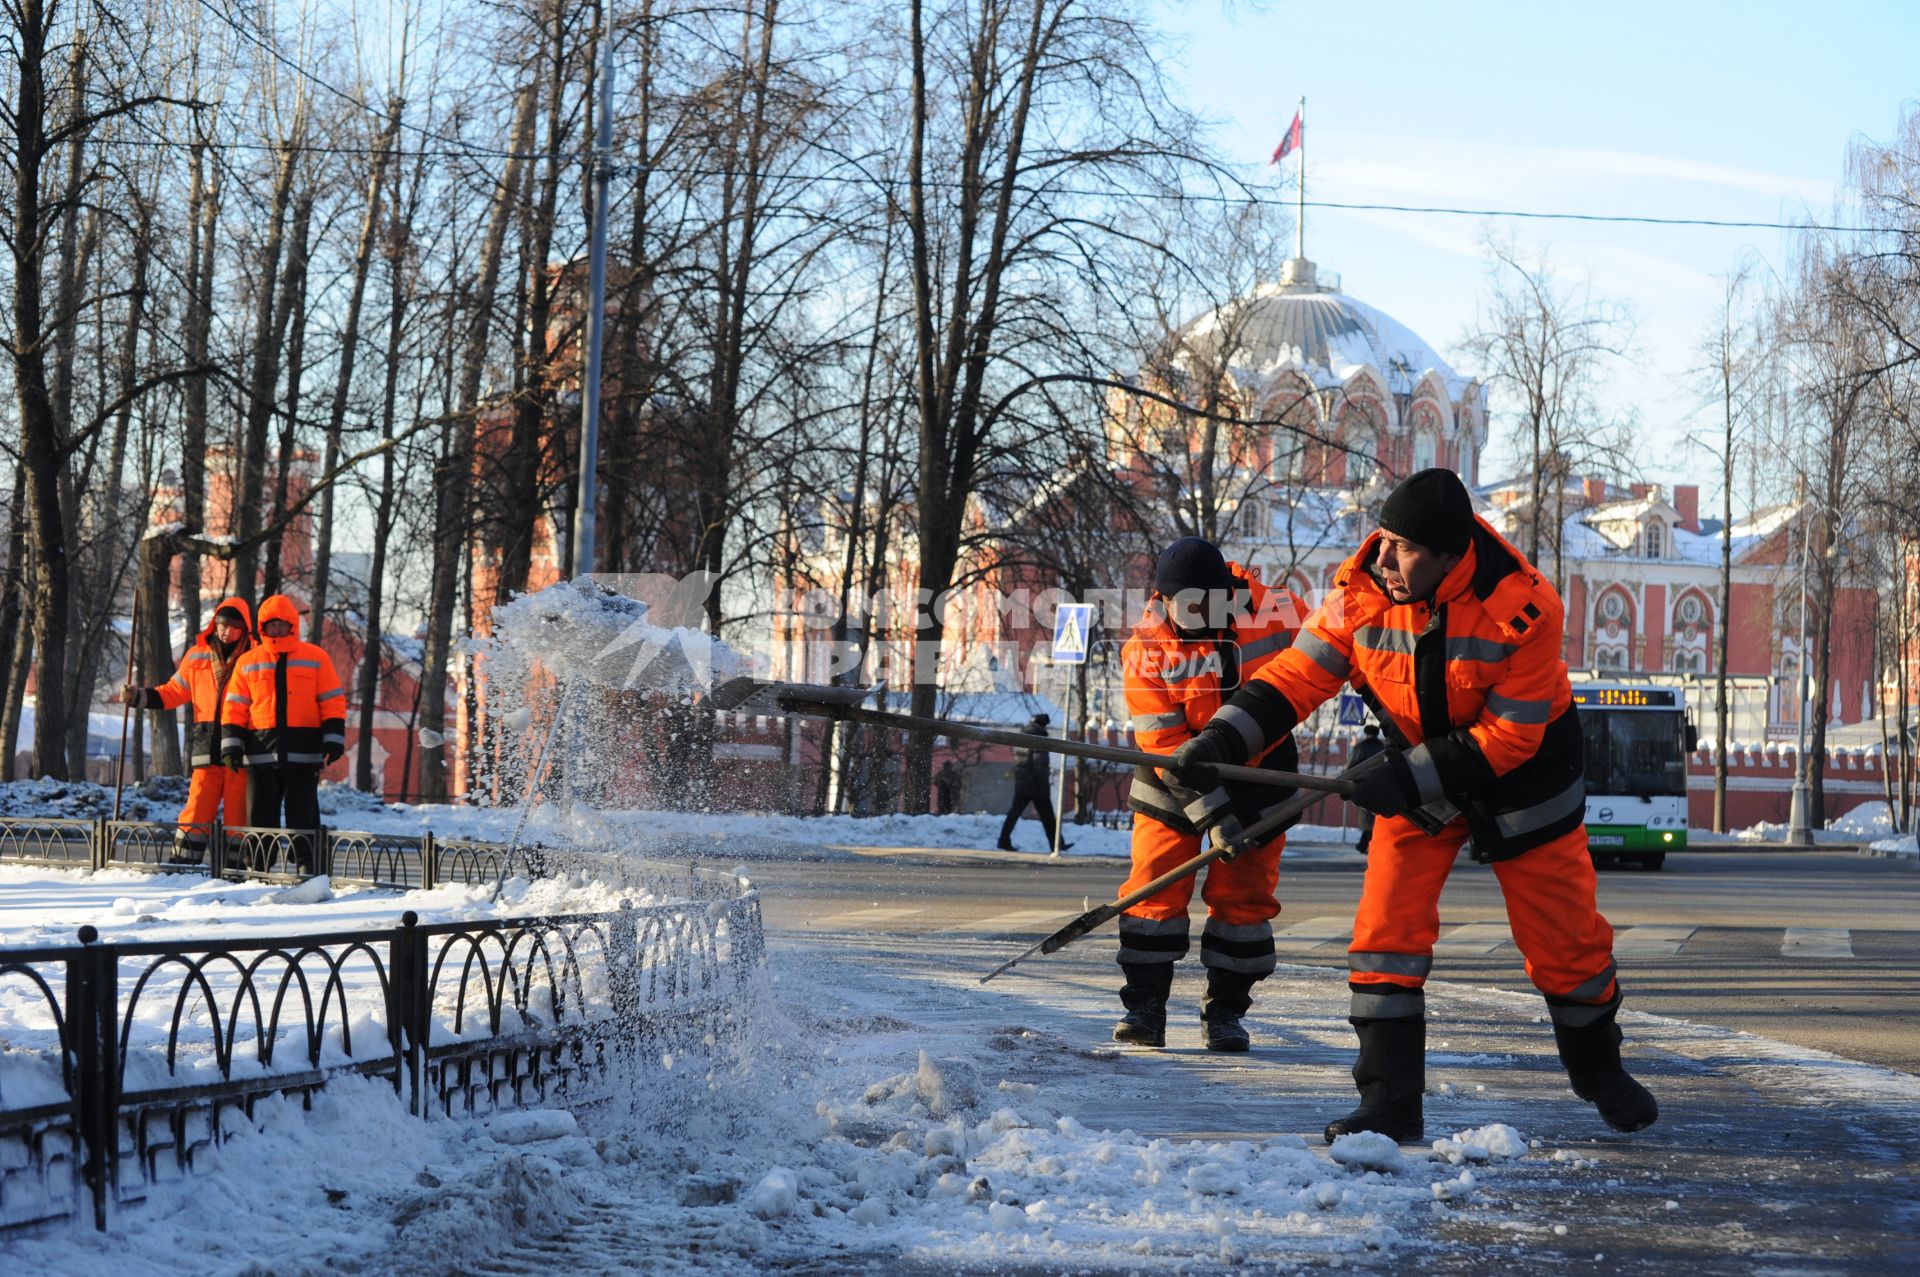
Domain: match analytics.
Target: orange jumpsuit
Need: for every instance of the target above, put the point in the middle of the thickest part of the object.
(1473, 681)
(1173, 686)
(202, 681)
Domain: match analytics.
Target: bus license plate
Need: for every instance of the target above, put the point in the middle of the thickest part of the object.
(1607, 840)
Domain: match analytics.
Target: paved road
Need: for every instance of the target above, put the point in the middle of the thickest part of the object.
(1819, 949)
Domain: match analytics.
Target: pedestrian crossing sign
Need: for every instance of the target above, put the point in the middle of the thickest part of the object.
(1353, 710)
(1072, 626)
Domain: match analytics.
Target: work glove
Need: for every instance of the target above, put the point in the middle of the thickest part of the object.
(233, 758)
(1226, 831)
(1191, 765)
(139, 697)
(1387, 788)
(332, 753)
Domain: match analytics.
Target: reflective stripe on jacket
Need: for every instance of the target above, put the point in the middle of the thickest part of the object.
(1474, 678)
(202, 682)
(1173, 687)
(285, 703)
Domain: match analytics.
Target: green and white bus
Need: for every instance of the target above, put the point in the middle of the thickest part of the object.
(1637, 742)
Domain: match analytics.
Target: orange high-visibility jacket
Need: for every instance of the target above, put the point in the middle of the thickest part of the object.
(201, 681)
(1174, 685)
(285, 703)
(1471, 682)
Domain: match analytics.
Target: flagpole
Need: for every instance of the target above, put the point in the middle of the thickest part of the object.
(1300, 218)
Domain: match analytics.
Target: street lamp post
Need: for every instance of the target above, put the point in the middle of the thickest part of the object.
(584, 520)
(1799, 806)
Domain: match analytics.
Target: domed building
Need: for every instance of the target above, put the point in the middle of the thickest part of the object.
(1340, 401)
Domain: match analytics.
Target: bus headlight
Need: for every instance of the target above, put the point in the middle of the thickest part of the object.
(1667, 837)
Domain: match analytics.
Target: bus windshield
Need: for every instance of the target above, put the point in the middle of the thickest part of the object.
(1635, 753)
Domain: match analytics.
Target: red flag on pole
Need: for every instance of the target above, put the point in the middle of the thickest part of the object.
(1289, 142)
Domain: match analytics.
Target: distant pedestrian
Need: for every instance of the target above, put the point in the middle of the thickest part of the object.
(286, 718)
(946, 788)
(1366, 747)
(1030, 776)
(214, 791)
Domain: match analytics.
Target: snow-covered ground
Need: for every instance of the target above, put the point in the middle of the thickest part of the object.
(885, 1113)
(890, 1116)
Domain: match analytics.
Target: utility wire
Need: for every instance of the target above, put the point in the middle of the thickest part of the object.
(1176, 197)
(454, 148)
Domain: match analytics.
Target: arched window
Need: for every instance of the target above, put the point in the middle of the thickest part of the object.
(1426, 450)
(1656, 540)
(1360, 431)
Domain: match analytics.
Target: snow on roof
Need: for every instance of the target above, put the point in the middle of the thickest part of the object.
(1322, 333)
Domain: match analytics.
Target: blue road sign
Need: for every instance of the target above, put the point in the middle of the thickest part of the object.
(1353, 710)
(1072, 628)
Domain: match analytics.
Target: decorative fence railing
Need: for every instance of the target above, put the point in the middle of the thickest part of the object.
(128, 1061)
(401, 861)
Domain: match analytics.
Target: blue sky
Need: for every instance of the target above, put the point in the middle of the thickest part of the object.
(1728, 111)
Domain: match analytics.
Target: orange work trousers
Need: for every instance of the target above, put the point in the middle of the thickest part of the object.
(1551, 910)
(1239, 892)
(213, 791)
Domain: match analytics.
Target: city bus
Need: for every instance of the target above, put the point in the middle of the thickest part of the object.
(1637, 741)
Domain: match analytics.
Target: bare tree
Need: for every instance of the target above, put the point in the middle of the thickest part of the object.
(1734, 352)
(1546, 344)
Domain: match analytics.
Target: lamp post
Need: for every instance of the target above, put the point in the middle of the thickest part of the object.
(584, 520)
(1800, 804)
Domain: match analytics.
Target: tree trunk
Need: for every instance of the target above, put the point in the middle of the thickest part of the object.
(130, 344)
(1726, 614)
(343, 382)
(454, 485)
(15, 693)
(294, 317)
(203, 216)
(373, 649)
(42, 445)
(268, 322)
(519, 512)
(13, 619)
(156, 657)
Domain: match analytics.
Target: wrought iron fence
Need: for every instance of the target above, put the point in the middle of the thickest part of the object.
(400, 861)
(137, 1055)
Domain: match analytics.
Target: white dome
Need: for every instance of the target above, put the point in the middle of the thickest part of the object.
(1318, 331)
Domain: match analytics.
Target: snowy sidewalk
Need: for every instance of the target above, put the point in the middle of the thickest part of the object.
(889, 1114)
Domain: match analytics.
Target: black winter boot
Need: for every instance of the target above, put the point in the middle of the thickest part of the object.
(1145, 997)
(1229, 994)
(1391, 1072)
(1591, 1054)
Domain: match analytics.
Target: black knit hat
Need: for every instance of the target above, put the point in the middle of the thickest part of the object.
(1431, 508)
(231, 615)
(1191, 563)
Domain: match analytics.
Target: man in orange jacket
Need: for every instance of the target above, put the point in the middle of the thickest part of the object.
(285, 719)
(1454, 639)
(201, 681)
(1209, 625)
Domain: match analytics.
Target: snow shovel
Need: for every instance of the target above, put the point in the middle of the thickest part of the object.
(757, 696)
(1093, 919)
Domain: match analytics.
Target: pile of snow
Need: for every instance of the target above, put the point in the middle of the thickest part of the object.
(1866, 822)
(158, 798)
(820, 1141)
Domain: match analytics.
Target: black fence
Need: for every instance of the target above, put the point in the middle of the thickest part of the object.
(399, 861)
(140, 1054)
